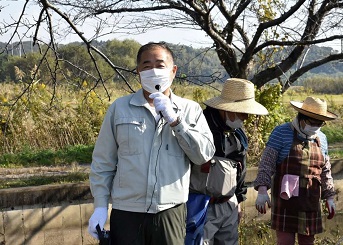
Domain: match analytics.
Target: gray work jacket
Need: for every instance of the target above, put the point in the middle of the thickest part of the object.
(141, 165)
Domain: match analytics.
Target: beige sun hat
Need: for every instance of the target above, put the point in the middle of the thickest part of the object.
(315, 108)
(238, 95)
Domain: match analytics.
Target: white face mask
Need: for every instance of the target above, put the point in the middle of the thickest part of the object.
(311, 130)
(237, 123)
(155, 80)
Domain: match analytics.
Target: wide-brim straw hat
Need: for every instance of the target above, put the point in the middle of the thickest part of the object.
(315, 108)
(237, 95)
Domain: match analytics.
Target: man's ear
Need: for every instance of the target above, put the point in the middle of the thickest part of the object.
(139, 78)
(174, 69)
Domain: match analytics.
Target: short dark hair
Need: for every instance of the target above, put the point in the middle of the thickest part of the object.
(152, 45)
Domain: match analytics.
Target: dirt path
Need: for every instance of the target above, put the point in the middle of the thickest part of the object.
(24, 173)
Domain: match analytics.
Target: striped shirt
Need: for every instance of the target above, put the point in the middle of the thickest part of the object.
(281, 140)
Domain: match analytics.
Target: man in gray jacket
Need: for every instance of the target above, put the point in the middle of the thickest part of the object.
(141, 159)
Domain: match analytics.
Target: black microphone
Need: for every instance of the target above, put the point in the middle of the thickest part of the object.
(157, 87)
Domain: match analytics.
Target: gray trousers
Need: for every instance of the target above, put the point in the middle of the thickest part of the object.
(221, 227)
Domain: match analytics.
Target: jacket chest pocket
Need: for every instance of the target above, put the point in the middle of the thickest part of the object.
(130, 135)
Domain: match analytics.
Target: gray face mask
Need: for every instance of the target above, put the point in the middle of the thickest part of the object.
(311, 130)
(237, 123)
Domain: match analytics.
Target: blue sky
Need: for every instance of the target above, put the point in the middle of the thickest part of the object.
(189, 37)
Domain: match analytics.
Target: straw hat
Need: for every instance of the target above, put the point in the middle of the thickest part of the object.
(315, 108)
(238, 95)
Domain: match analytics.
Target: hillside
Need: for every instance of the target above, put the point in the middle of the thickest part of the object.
(194, 62)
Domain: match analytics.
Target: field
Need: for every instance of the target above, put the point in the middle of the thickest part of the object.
(332, 99)
(58, 128)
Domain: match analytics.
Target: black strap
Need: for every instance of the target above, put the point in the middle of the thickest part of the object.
(100, 234)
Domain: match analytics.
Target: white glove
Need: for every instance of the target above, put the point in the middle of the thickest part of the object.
(98, 217)
(163, 104)
(262, 199)
(330, 205)
(240, 213)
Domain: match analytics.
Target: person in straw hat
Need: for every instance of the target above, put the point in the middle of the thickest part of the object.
(295, 165)
(225, 115)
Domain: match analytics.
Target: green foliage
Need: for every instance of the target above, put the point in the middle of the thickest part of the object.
(298, 91)
(266, 10)
(199, 95)
(122, 53)
(324, 84)
(258, 128)
(3, 64)
(196, 65)
(196, 93)
(90, 113)
(76, 63)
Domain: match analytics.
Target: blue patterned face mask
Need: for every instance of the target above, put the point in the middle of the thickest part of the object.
(155, 80)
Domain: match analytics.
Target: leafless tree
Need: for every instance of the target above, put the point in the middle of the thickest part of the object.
(250, 37)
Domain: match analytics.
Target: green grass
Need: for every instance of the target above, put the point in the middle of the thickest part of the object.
(336, 153)
(334, 132)
(65, 156)
(68, 156)
(44, 180)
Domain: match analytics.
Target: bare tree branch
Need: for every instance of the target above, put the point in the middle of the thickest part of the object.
(304, 69)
